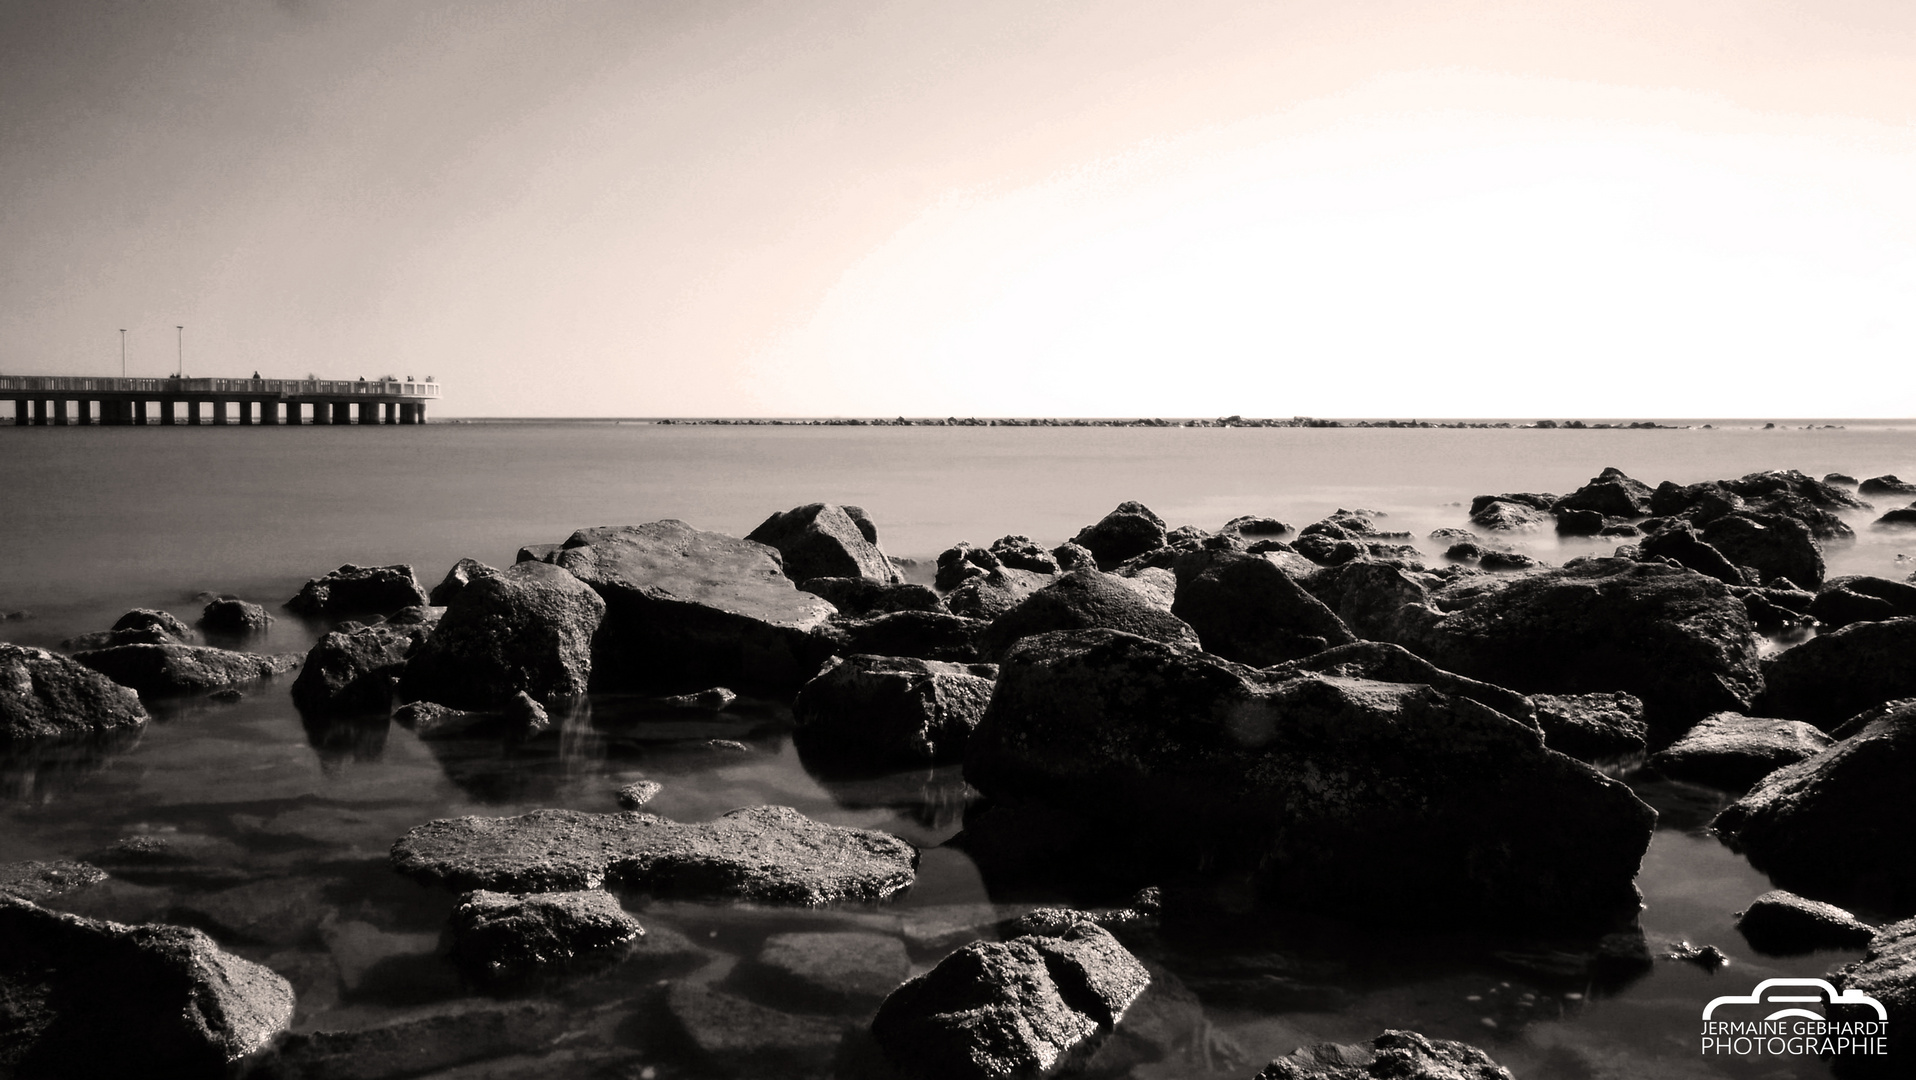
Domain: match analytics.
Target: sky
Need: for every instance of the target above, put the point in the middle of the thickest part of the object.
(1545, 208)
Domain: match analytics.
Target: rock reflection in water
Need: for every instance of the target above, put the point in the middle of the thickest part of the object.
(43, 771)
(496, 767)
(342, 739)
(933, 798)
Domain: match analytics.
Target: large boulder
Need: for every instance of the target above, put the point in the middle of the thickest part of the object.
(1887, 973)
(47, 696)
(1902, 518)
(359, 590)
(998, 590)
(1774, 545)
(689, 608)
(1370, 595)
(1679, 641)
(86, 998)
(766, 853)
(1020, 1008)
(1246, 609)
(1680, 543)
(928, 635)
(1381, 661)
(1591, 727)
(826, 540)
(527, 629)
(141, 626)
(1839, 825)
(1887, 484)
(1330, 793)
(1782, 923)
(1846, 600)
(1500, 516)
(354, 668)
(183, 669)
(234, 618)
(1832, 677)
(860, 597)
(891, 712)
(1610, 493)
(1394, 1055)
(502, 937)
(1086, 600)
(463, 573)
(1732, 752)
(1125, 533)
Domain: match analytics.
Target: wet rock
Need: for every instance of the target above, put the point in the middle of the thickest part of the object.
(1401, 1055)
(1254, 525)
(1732, 752)
(1887, 972)
(430, 721)
(962, 562)
(1369, 596)
(896, 712)
(152, 619)
(353, 669)
(1681, 544)
(235, 618)
(503, 937)
(1535, 500)
(175, 858)
(1679, 641)
(1017, 1008)
(826, 540)
(463, 573)
(859, 596)
(457, 1035)
(183, 669)
(1327, 792)
(1897, 519)
(1782, 923)
(685, 606)
(736, 1037)
(1579, 522)
(1611, 494)
(1887, 484)
(1838, 825)
(276, 911)
(770, 853)
(1500, 516)
(1244, 608)
(1382, 662)
(1839, 480)
(1707, 957)
(526, 630)
(1837, 675)
(710, 699)
(1775, 546)
(1128, 531)
(989, 595)
(1592, 727)
(42, 881)
(928, 635)
(1506, 560)
(359, 590)
(141, 626)
(638, 793)
(47, 696)
(1466, 551)
(827, 972)
(1328, 550)
(1085, 600)
(1847, 600)
(523, 717)
(93, 998)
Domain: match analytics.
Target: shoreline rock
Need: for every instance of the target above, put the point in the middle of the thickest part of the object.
(184, 669)
(44, 696)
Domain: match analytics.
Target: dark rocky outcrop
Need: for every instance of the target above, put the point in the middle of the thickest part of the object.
(1887, 484)
(991, 594)
(858, 596)
(1383, 662)
(928, 635)
(1130, 530)
(891, 712)
(1887, 973)
(354, 668)
(359, 590)
(1782, 923)
(1611, 494)
(1774, 545)
(765, 853)
(1904, 518)
(1254, 525)
(87, 998)
(183, 669)
(1394, 1055)
(235, 618)
(47, 696)
(1579, 522)
(1085, 600)
(1244, 608)
(141, 626)
(528, 629)
(1732, 752)
(1847, 600)
(503, 937)
(1681, 544)
(1024, 553)
(463, 573)
(1837, 675)
(692, 608)
(1500, 516)
(1370, 595)
(1839, 480)
(1535, 500)
(1839, 825)
(1506, 561)
(827, 540)
(1592, 727)
(1329, 793)
(1020, 1008)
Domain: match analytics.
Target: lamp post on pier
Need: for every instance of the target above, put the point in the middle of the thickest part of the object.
(122, 352)
(180, 372)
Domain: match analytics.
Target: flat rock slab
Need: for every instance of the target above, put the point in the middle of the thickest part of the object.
(771, 853)
(501, 935)
(1732, 752)
(422, 1044)
(44, 695)
(1392, 1054)
(1782, 923)
(180, 669)
(40, 881)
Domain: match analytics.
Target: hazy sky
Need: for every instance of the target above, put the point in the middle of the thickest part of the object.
(1339, 208)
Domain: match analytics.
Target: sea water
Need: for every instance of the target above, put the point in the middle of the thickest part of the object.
(95, 521)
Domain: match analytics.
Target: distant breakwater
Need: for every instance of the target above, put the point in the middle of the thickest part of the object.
(1221, 422)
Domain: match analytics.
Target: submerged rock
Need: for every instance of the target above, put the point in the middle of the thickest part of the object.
(1591, 727)
(1834, 676)
(182, 669)
(1732, 751)
(526, 630)
(1085, 600)
(1019, 1008)
(891, 712)
(833, 972)
(1328, 792)
(502, 936)
(1782, 923)
(93, 998)
(1394, 1055)
(359, 590)
(1839, 825)
(450, 1036)
(825, 540)
(353, 669)
(463, 573)
(41, 881)
(691, 607)
(430, 721)
(730, 1036)
(47, 696)
(770, 853)
(1244, 608)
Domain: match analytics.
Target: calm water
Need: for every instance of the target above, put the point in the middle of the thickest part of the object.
(95, 521)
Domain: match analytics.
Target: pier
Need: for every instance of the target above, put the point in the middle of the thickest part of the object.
(60, 400)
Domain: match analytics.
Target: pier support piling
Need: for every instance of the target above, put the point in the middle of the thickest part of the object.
(60, 412)
(84, 412)
(22, 415)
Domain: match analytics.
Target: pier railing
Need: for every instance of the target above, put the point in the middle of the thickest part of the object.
(55, 384)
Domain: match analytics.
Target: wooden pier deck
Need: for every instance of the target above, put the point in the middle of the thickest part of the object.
(61, 400)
